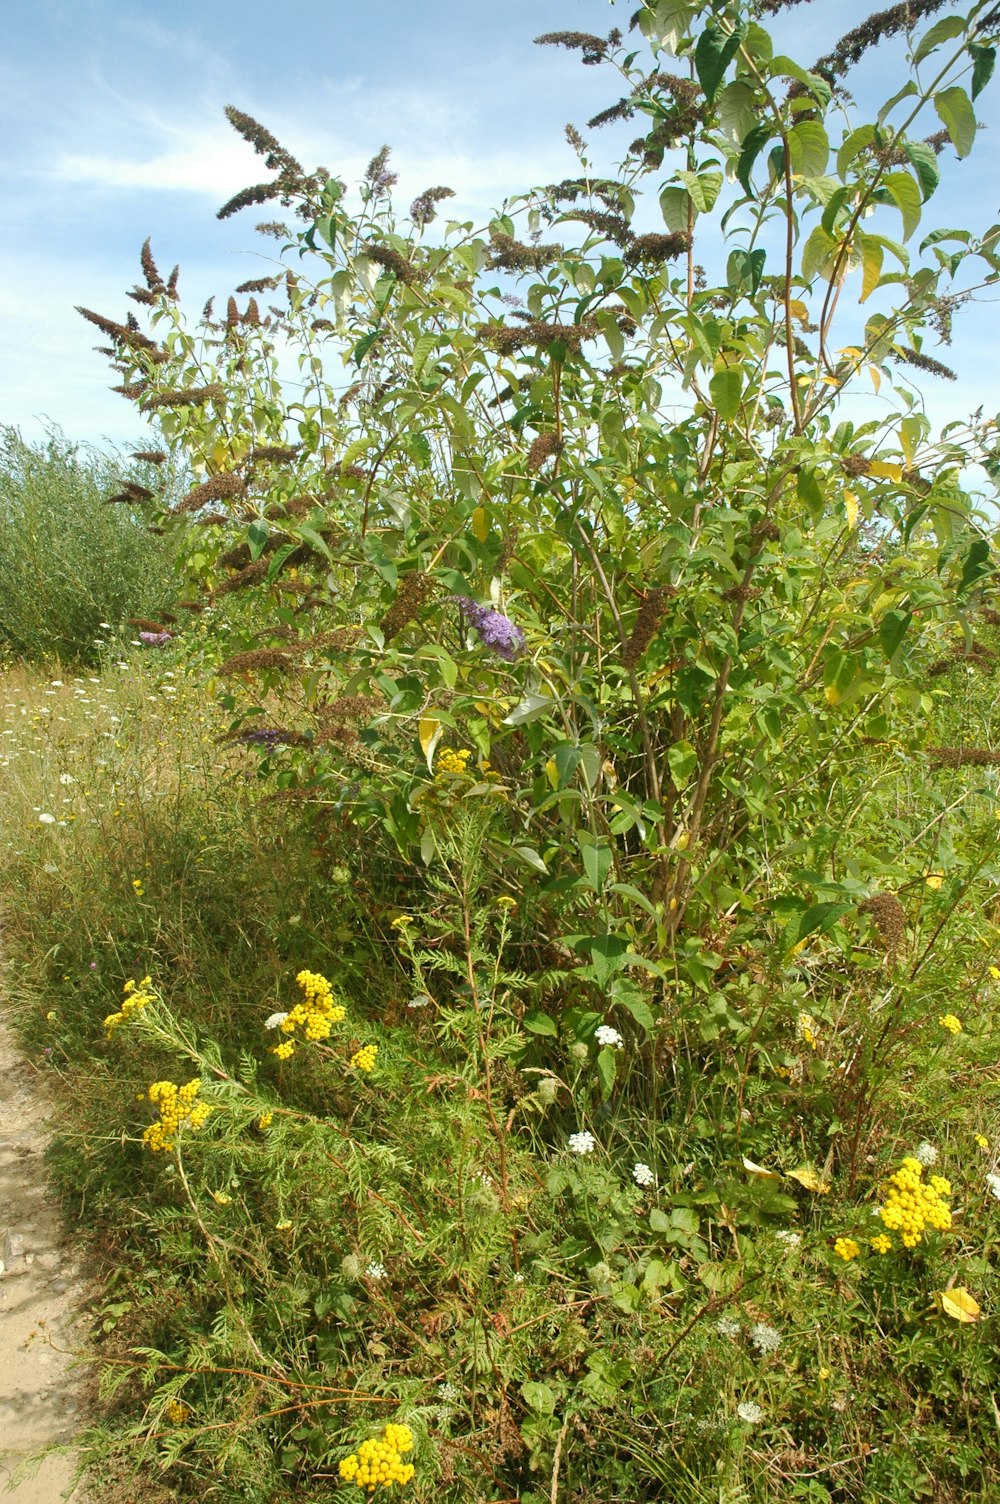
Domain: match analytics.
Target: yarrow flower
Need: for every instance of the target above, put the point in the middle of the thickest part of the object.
(450, 1393)
(376, 1271)
(274, 1020)
(643, 1175)
(951, 1023)
(727, 1327)
(608, 1037)
(749, 1412)
(496, 631)
(993, 1185)
(765, 1338)
(581, 1143)
(926, 1154)
(790, 1239)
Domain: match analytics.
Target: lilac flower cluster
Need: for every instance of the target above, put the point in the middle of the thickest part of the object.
(496, 631)
(264, 738)
(156, 639)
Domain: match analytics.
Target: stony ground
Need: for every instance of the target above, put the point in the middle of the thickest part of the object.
(40, 1297)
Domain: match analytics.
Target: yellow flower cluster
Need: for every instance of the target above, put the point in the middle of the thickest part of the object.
(364, 1059)
(134, 999)
(178, 1109)
(380, 1462)
(846, 1249)
(265, 1120)
(951, 1023)
(806, 1029)
(913, 1204)
(315, 1015)
(882, 1244)
(453, 762)
(178, 1412)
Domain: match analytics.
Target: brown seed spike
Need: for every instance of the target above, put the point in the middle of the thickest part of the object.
(257, 658)
(647, 623)
(591, 48)
(172, 283)
(258, 193)
(150, 271)
(543, 448)
(264, 144)
(149, 456)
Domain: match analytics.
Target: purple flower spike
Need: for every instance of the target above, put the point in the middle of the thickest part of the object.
(156, 639)
(496, 631)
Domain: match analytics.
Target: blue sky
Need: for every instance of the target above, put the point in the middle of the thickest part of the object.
(112, 111)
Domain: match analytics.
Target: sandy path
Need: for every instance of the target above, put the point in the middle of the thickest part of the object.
(40, 1295)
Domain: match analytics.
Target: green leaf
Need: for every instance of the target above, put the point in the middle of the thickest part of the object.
(892, 629)
(818, 254)
(675, 206)
(786, 67)
(854, 143)
(906, 196)
(941, 31)
(537, 1022)
(681, 759)
(725, 388)
(257, 535)
(312, 537)
(607, 1069)
(923, 159)
(529, 856)
(955, 110)
(815, 921)
(872, 256)
(704, 188)
(753, 145)
(984, 61)
(906, 92)
(714, 51)
(539, 1397)
(738, 111)
(529, 709)
(975, 565)
(808, 148)
(627, 995)
(596, 853)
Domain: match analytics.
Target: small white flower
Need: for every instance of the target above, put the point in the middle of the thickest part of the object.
(606, 1036)
(449, 1393)
(518, 1278)
(66, 778)
(993, 1185)
(727, 1327)
(51, 868)
(419, 1001)
(46, 819)
(926, 1154)
(375, 1270)
(643, 1175)
(766, 1339)
(107, 627)
(56, 683)
(751, 1413)
(582, 1143)
(275, 1020)
(790, 1239)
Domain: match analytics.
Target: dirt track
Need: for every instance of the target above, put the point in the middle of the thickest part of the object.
(40, 1296)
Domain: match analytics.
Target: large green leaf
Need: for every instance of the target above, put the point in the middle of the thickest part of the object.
(941, 31)
(714, 51)
(955, 110)
(923, 159)
(905, 194)
(725, 388)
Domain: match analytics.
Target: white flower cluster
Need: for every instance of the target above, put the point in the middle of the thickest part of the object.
(790, 1239)
(608, 1037)
(925, 1154)
(582, 1143)
(751, 1413)
(274, 1020)
(643, 1175)
(375, 1270)
(766, 1339)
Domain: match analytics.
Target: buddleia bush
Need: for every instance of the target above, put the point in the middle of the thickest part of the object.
(576, 588)
(73, 568)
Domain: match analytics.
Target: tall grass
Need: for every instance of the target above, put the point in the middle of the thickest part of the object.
(69, 561)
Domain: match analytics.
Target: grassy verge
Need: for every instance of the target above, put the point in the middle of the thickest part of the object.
(650, 1291)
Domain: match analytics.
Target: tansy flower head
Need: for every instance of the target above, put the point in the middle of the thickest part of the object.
(846, 1249)
(364, 1059)
(951, 1023)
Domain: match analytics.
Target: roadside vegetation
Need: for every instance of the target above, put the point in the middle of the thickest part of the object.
(521, 943)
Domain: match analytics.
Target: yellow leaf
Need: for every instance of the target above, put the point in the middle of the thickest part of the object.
(876, 376)
(851, 508)
(958, 1304)
(552, 772)
(429, 731)
(934, 880)
(810, 1179)
(885, 470)
(481, 524)
(753, 1169)
(832, 694)
(798, 311)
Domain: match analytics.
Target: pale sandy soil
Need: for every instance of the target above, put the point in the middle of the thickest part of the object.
(40, 1297)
